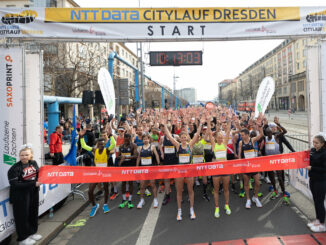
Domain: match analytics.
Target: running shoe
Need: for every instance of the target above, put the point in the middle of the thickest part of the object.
(315, 222)
(106, 208)
(217, 212)
(227, 209)
(114, 196)
(206, 197)
(166, 199)
(242, 193)
(94, 210)
(260, 194)
(271, 188)
(141, 203)
(155, 203)
(179, 216)
(123, 204)
(147, 193)
(287, 194)
(127, 194)
(258, 203)
(197, 183)
(192, 215)
(267, 180)
(138, 192)
(274, 195)
(130, 205)
(286, 200)
(248, 204)
(318, 228)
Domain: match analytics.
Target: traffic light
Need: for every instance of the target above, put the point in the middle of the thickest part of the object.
(88, 97)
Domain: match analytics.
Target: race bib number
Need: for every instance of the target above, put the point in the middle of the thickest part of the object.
(146, 161)
(198, 159)
(126, 155)
(101, 164)
(169, 149)
(270, 146)
(184, 158)
(207, 147)
(220, 155)
(250, 154)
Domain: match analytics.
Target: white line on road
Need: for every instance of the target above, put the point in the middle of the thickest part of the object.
(147, 231)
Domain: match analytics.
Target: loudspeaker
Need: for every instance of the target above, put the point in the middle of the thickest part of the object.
(99, 98)
(88, 97)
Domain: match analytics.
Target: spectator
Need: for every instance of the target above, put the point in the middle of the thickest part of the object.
(24, 196)
(56, 146)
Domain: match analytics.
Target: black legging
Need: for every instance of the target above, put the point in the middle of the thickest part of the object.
(318, 190)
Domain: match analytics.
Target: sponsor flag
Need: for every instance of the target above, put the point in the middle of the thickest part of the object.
(264, 95)
(72, 154)
(107, 89)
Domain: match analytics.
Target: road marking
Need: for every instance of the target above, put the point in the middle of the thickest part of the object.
(147, 231)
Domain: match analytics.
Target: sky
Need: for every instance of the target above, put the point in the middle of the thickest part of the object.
(221, 60)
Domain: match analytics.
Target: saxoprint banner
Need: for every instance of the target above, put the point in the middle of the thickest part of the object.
(163, 23)
(11, 107)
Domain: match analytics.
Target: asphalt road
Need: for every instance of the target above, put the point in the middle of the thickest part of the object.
(134, 226)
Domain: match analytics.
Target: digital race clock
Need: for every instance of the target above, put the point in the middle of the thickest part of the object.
(175, 58)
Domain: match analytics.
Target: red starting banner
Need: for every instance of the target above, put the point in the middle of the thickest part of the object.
(50, 174)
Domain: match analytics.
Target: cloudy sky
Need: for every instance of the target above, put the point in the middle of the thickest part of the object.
(221, 60)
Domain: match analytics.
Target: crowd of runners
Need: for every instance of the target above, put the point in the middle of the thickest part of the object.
(185, 136)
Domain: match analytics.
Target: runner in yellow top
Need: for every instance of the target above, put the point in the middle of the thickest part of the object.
(220, 151)
(101, 160)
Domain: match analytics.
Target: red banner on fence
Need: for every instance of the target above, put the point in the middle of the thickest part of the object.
(68, 174)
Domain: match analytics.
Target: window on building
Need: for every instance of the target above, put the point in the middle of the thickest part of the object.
(300, 86)
(298, 55)
(285, 90)
(47, 83)
(298, 66)
(122, 52)
(10, 5)
(293, 87)
(304, 52)
(304, 63)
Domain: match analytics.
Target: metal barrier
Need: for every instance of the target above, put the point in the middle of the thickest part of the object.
(75, 187)
(298, 141)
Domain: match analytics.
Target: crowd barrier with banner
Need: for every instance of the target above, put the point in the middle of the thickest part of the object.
(125, 24)
(70, 174)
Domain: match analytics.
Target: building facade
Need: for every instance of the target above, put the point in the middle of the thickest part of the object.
(286, 64)
(188, 94)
